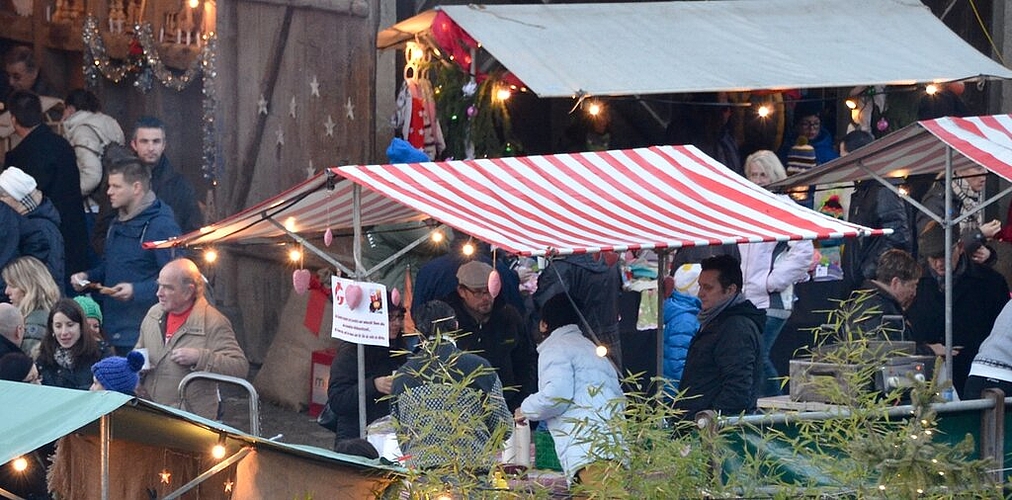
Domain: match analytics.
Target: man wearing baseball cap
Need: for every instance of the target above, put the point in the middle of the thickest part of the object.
(494, 330)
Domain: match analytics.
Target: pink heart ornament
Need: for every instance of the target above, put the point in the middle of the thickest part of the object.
(300, 280)
(395, 297)
(328, 237)
(353, 294)
(494, 283)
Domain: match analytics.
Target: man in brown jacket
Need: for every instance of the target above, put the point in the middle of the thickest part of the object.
(184, 333)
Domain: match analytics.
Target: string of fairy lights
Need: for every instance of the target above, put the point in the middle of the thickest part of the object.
(144, 64)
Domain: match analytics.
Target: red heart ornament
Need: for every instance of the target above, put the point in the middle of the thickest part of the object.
(353, 294)
(300, 280)
(494, 283)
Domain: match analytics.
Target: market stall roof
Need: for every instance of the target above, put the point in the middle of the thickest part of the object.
(657, 197)
(34, 415)
(920, 148)
(563, 50)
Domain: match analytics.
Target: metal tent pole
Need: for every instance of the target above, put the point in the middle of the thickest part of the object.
(356, 201)
(948, 262)
(662, 268)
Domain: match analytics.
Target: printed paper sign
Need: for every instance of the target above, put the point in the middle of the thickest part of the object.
(360, 312)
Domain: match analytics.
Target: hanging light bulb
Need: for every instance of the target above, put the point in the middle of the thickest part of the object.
(218, 452)
(437, 236)
(931, 89)
(601, 351)
(210, 255)
(763, 111)
(851, 103)
(467, 249)
(294, 255)
(20, 464)
(503, 94)
(193, 3)
(290, 224)
(594, 109)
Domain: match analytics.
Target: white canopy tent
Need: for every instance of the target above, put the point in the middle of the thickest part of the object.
(925, 147)
(568, 50)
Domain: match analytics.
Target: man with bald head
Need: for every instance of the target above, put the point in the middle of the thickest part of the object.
(12, 329)
(184, 333)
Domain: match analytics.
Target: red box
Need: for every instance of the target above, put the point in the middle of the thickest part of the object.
(319, 379)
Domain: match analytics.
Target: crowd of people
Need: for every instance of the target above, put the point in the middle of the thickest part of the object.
(91, 309)
(84, 305)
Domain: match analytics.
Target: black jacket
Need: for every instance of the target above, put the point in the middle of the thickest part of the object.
(50, 160)
(881, 309)
(875, 206)
(505, 343)
(172, 188)
(342, 391)
(723, 368)
(7, 347)
(978, 294)
(595, 286)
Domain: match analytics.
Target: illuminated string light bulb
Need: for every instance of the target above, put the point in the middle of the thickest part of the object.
(218, 452)
(294, 255)
(601, 351)
(444, 496)
(851, 103)
(290, 224)
(210, 255)
(763, 111)
(467, 249)
(20, 464)
(503, 94)
(904, 191)
(931, 89)
(594, 109)
(437, 237)
(193, 3)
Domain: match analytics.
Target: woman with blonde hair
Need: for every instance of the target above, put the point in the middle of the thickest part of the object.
(770, 270)
(33, 291)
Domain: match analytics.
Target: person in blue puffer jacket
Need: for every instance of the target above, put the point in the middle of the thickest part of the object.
(680, 325)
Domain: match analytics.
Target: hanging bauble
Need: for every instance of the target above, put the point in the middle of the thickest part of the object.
(300, 280)
(353, 295)
(471, 111)
(882, 124)
(328, 237)
(395, 296)
(494, 283)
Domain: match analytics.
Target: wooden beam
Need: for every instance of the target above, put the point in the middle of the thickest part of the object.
(356, 8)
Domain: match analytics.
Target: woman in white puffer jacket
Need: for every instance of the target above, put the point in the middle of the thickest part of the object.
(89, 130)
(770, 270)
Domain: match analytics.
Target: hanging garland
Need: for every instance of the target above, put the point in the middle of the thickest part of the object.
(471, 114)
(145, 65)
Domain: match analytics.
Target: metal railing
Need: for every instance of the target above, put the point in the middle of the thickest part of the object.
(254, 398)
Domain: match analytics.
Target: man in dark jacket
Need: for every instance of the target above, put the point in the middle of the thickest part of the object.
(495, 331)
(449, 405)
(32, 217)
(50, 160)
(872, 205)
(596, 287)
(128, 270)
(978, 295)
(723, 369)
(889, 295)
(170, 186)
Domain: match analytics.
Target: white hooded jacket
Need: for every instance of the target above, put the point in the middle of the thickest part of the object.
(89, 133)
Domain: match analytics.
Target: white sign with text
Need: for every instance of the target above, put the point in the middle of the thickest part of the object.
(360, 312)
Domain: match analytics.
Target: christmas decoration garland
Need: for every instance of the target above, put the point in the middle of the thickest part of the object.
(145, 65)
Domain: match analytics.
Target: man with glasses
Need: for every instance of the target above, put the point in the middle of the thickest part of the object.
(978, 295)
(494, 330)
(808, 124)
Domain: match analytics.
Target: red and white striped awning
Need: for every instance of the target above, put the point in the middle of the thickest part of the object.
(920, 148)
(657, 197)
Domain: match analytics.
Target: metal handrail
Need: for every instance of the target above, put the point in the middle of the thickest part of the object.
(254, 398)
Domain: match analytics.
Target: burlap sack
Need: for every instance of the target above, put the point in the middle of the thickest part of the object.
(284, 378)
